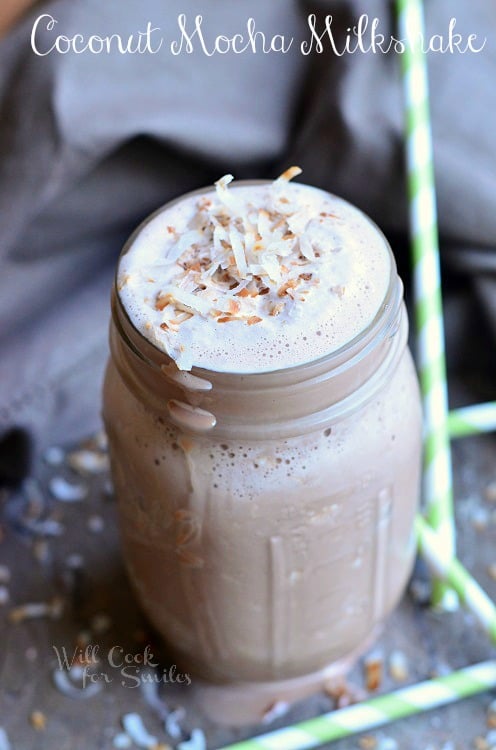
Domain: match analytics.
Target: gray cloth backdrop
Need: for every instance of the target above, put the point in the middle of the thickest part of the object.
(89, 144)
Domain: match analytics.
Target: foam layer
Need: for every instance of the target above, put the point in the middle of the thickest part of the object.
(253, 278)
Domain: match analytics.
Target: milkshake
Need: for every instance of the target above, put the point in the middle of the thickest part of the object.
(264, 429)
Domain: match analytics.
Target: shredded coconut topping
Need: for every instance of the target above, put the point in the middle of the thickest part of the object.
(238, 260)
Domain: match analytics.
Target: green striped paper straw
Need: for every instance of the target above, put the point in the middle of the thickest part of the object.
(472, 420)
(438, 489)
(448, 568)
(376, 712)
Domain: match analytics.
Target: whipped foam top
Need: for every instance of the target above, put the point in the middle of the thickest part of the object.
(254, 278)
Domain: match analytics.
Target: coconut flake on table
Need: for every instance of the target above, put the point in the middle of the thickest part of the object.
(38, 720)
(41, 551)
(4, 740)
(54, 456)
(197, 741)
(66, 491)
(122, 741)
(34, 610)
(70, 684)
(171, 719)
(373, 669)
(74, 561)
(133, 726)
(44, 527)
(173, 723)
(95, 524)
(86, 462)
(100, 623)
(398, 666)
(278, 709)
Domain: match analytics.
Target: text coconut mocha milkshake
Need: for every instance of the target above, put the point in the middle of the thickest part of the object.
(264, 429)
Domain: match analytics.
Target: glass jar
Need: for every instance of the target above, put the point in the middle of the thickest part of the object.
(267, 518)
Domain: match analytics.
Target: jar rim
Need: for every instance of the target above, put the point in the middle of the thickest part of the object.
(378, 328)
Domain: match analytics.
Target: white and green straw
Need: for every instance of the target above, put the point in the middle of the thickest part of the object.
(450, 569)
(472, 420)
(376, 712)
(438, 489)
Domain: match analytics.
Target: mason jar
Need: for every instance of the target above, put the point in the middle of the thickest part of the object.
(267, 518)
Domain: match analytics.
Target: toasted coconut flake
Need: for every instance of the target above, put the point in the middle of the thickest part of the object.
(182, 317)
(32, 611)
(253, 319)
(226, 197)
(182, 299)
(276, 309)
(291, 284)
(122, 281)
(234, 306)
(373, 666)
(163, 301)
(222, 183)
(491, 715)
(38, 721)
(368, 742)
(239, 253)
(248, 292)
(289, 174)
(306, 248)
(86, 462)
(271, 267)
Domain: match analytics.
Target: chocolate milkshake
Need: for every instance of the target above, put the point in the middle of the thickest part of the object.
(264, 426)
